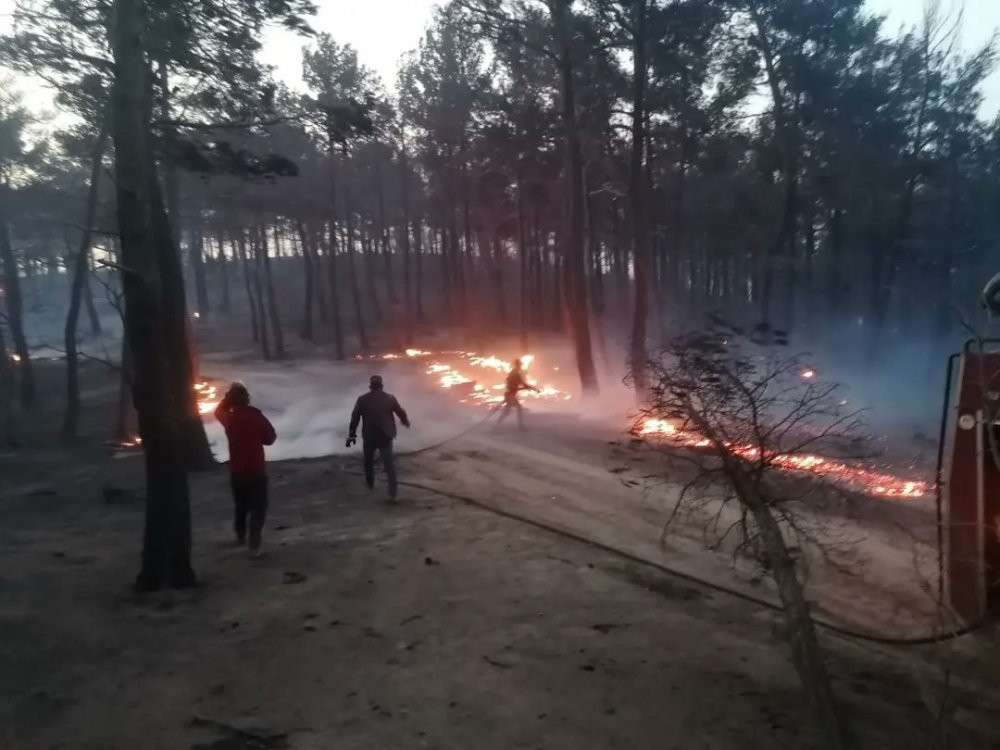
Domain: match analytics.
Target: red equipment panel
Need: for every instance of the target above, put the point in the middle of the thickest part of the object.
(971, 491)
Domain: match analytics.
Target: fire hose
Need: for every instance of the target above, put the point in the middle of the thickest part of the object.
(475, 425)
(831, 627)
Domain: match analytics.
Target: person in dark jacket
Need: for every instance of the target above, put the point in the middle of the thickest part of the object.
(515, 384)
(376, 411)
(248, 431)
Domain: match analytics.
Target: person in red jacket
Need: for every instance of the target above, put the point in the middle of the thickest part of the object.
(248, 431)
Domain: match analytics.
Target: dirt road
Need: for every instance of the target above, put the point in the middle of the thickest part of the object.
(431, 624)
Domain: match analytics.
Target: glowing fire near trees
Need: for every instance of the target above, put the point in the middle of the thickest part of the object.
(480, 380)
(207, 397)
(468, 374)
(857, 477)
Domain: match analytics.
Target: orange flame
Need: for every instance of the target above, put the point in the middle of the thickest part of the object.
(867, 480)
(207, 397)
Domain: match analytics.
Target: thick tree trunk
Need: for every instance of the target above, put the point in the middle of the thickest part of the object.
(166, 555)
(574, 275)
(789, 163)
(15, 315)
(177, 324)
(81, 269)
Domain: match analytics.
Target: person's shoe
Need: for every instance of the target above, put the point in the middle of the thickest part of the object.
(241, 541)
(370, 483)
(256, 553)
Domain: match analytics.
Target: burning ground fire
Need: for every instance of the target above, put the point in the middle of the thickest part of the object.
(207, 397)
(480, 380)
(473, 377)
(873, 482)
(460, 378)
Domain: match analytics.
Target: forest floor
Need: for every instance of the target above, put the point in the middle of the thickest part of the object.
(433, 623)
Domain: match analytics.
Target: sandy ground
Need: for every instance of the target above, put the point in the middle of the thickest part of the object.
(433, 623)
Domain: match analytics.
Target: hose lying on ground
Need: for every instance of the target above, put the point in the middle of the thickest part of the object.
(760, 601)
(831, 627)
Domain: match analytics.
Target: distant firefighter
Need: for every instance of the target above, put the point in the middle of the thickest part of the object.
(377, 412)
(247, 431)
(515, 384)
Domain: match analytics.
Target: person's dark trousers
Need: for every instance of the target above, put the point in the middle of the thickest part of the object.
(384, 449)
(250, 496)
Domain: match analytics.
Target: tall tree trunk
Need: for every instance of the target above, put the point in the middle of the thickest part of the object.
(574, 275)
(333, 242)
(258, 289)
(272, 302)
(6, 393)
(538, 293)
(222, 263)
(418, 251)
(352, 273)
(524, 256)
(383, 233)
(81, 269)
(331, 269)
(594, 258)
(371, 289)
(403, 239)
(445, 272)
(177, 331)
(306, 332)
(166, 554)
(15, 315)
(498, 263)
(126, 419)
(88, 299)
(463, 258)
(196, 257)
(789, 162)
(835, 296)
(241, 249)
(319, 287)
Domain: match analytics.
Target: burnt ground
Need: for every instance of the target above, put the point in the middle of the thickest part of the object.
(428, 624)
